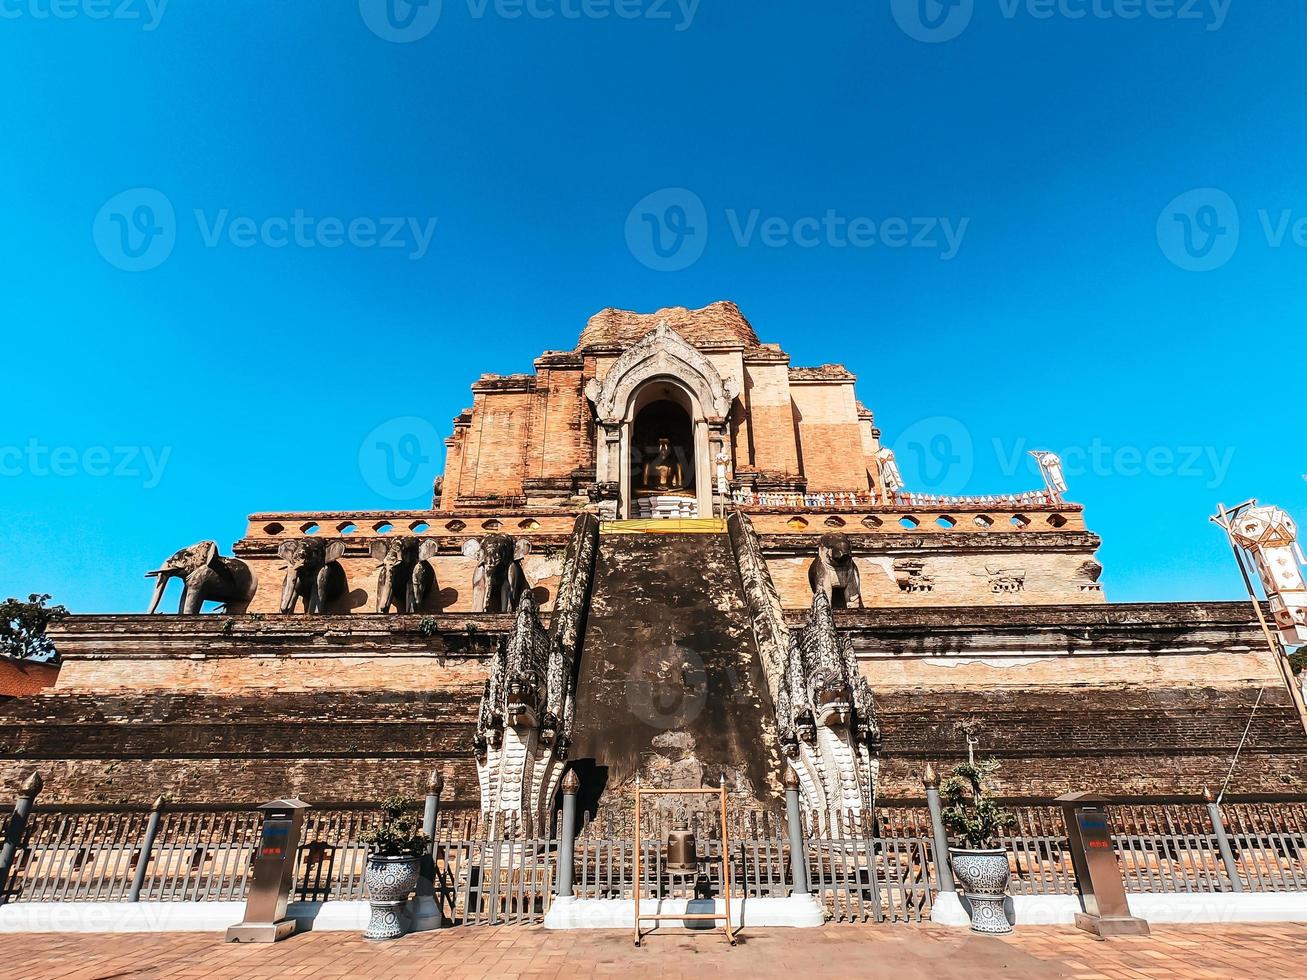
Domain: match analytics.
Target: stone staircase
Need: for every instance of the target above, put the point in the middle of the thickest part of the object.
(670, 685)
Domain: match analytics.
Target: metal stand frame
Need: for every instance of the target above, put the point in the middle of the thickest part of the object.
(720, 792)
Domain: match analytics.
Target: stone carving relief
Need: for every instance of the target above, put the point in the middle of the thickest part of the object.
(1006, 580)
(524, 728)
(834, 572)
(826, 719)
(1088, 575)
(404, 572)
(910, 575)
(498, 583)
(662, 351)
(206, 577)
(313, 573)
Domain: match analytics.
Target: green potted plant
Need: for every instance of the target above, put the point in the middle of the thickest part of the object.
(976, 822)
(395, 849)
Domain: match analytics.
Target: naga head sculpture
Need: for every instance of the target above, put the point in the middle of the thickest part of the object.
(828, 687)
(313, 573)
(526, 663)
(207, 577)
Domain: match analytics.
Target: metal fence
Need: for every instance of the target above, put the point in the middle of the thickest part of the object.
(875, 868)
(1171, 848)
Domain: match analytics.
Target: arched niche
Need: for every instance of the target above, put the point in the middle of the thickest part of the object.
(661, 367)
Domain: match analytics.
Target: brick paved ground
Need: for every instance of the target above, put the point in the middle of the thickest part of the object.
(1270, 951)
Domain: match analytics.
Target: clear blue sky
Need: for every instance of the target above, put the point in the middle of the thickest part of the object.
(1074, 314)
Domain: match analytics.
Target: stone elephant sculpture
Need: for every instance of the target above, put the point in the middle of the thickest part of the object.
(498, 582)
(313, 573)
(206, 577)
(404, 572)
(835, 573)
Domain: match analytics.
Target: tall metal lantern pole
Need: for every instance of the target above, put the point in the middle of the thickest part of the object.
(1268, 535)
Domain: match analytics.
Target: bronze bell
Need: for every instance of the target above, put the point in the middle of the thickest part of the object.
(682, 855)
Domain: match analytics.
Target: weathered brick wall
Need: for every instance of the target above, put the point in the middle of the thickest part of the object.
(1131, 699)
(773, 446)
(830, 439)
(560, 439)
(1148, 699)
(961, 569)
(329, 708)
(494, 457)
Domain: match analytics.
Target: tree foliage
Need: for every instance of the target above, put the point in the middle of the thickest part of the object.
(970, 816)
(400, 834)
(1298, 660)
(23, 625)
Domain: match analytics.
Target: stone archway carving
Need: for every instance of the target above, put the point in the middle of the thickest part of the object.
(660, 355)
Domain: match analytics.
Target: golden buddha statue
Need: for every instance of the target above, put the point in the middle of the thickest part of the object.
(662, 473)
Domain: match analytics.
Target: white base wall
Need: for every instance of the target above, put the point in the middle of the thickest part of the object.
(168, 916)
(950, 909)
(796, 911)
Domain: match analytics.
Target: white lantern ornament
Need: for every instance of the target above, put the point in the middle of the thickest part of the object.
(1271, 537)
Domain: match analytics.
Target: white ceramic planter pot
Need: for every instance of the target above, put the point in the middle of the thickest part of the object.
(390, 882)
(984, 876)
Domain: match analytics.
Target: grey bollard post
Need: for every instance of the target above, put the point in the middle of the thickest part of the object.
(147, 846)
(17, 824)
(794, 822)
(943, 867)
(426, 914)
(1222, 841)
(567, 835)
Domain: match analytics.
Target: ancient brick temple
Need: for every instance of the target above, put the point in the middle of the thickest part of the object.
(668, 553)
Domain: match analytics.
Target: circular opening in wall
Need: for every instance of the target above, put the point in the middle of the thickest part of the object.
(347, 527)
(310, 528)
(385, 527)
(273, 528)
(418, 527)
(909, 523)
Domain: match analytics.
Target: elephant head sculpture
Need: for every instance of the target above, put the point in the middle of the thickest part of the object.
(498, 582)
(834, 572)
(313, 573)
(206, 577)
(404, 572)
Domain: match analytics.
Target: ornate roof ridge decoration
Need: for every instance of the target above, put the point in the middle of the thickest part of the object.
(660, 352)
